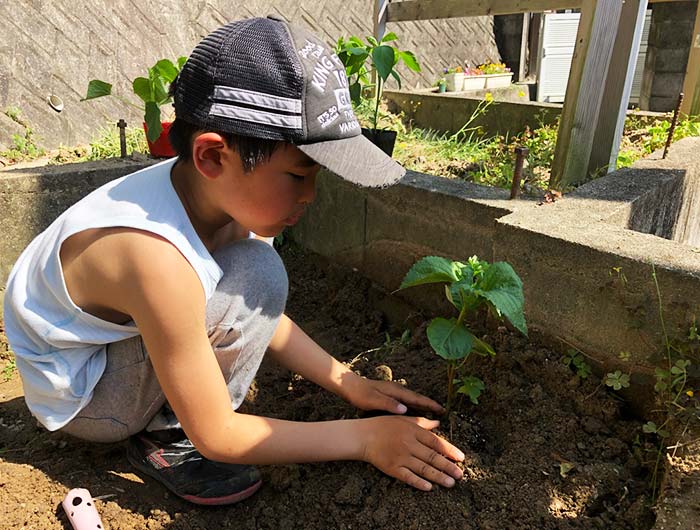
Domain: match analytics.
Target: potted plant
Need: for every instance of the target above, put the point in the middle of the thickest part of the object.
(474, 79)
(454, 78)
(382, 59)
(441, 85)
(153, 92)
(497, 75)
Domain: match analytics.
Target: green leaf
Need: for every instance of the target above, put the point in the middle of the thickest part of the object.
(472, 387)
(463, 293)
(502, 287)
(97, 89)
(355, 93)
(449, 340)
(152, 119)
(649, 427)
(166, 70)
(142, 88)
(396, 76)
(372, 41)
(160, 93)
(181, 62)
(410, 60)
(389, 37)
(383, 59)
(430, 269)
(565, 468)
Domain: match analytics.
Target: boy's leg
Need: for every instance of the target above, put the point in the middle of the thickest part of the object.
(241, 318)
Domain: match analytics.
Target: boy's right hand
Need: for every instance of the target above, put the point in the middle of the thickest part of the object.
(404, 448)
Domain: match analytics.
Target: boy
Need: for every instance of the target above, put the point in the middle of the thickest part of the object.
(144, 310)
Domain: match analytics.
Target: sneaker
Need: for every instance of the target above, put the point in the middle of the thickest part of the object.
(172, 459)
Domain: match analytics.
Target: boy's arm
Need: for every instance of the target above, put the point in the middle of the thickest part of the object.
(166, 300)
(295, 350)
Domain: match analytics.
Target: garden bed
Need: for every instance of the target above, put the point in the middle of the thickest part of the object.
(544, 448)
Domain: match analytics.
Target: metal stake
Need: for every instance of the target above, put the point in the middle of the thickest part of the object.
(674, 122)
(520, 156)
(122, 137)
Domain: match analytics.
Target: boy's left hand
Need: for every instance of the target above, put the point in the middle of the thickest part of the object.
(368, 394)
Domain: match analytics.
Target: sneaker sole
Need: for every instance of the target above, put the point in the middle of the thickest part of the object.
(204, 501)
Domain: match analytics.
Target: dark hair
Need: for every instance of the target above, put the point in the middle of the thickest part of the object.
(252, 150)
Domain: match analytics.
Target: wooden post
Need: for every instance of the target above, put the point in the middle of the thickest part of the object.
(380, 18)
(524, 37)
(691, 85)
(618, 85)
(582, 103)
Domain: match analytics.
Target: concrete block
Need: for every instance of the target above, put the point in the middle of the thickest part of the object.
(663, 104)
(667, 85)
(671, 60)
(30, 199)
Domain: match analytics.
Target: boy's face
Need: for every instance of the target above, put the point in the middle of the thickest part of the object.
(273, 195)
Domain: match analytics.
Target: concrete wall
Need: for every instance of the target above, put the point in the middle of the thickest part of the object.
(58, 46)
(30, 199)
(510, 112)
(669, 43)
(567, 252)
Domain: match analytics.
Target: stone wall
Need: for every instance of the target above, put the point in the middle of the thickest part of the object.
(669, 43)
(58, 46)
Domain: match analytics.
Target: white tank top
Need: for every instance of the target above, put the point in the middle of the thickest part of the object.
(61, 349)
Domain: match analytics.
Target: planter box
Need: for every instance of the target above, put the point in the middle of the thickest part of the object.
(498, 80)
(474, 82)
(454, 82)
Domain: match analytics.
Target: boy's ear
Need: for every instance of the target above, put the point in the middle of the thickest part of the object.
(210, 153)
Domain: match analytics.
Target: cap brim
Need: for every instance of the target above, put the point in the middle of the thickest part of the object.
(357, 160)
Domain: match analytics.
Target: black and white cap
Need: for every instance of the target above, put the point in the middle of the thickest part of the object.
(266, 78)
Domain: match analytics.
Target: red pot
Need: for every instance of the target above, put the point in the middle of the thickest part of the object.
(161, 148)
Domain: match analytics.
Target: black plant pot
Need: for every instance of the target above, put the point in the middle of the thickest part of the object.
(382, 138)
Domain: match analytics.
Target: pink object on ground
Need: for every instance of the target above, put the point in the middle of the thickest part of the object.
(80, 509)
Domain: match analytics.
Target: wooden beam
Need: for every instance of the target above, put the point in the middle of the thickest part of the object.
(589, 69)
(618, 85)
(691, 85)
(432, 9)
(380, 18)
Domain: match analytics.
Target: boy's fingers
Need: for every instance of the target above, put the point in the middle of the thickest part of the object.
(417, 400)
(442, 446)
(391, 405)
(409, 477)
(424, 422)
(430, 472)
(439, 462)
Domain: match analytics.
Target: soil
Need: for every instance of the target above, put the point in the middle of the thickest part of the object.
(544, 449)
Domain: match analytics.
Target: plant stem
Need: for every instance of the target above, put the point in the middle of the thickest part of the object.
(450, 384)
(377, 97)
(661, 315)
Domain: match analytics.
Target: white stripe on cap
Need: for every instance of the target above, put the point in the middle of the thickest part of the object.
(260, 99)
(255, 116)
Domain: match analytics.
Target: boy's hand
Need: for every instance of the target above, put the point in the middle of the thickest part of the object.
(368, 394)
(404, 448)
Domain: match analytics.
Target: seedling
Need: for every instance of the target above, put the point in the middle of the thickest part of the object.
(469, 286)
(617, 380)
(577, 363)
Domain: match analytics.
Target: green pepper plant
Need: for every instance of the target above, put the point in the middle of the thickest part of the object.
(382, 57)
(469, 287)
(152, 90)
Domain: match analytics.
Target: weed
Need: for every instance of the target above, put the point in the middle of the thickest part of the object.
(576, 361)
(9, 369)
(24, 146)
(106, 145)
(617, 380)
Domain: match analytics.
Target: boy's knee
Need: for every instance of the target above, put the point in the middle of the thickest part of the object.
(253, 270)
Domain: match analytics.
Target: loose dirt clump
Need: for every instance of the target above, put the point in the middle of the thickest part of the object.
(544, 449)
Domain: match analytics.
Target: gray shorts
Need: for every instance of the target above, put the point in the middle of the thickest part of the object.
(241, 317)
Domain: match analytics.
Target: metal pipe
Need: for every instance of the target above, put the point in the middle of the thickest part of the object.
(122, 137)
(674, 122)
(520, 156)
